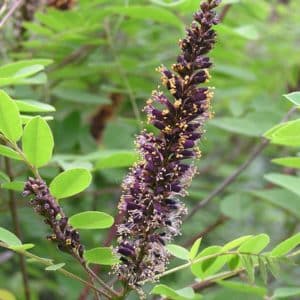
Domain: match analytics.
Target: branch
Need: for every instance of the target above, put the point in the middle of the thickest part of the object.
(254, 153)
(221, 220)
(13, 8)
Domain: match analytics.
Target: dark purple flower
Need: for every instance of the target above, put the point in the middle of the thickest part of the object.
(63, 234)
(151, 191)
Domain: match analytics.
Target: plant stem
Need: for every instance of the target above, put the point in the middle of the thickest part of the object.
(200, 285)
(17, 229)
(207, 257)
(230, 179)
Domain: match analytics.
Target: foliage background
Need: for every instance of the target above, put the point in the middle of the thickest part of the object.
(104, 57)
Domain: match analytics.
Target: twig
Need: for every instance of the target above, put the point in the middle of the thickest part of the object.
(17, 229)
(203, 284)
(221, 220)
(3, 7)
(77, 54)
(224, 11)
(13, 8)
(230, 179)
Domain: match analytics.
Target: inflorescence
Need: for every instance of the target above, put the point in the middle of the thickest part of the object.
(66, 237)
(151, 191)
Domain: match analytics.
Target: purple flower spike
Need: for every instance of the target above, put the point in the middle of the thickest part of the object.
(150, 199)
(63, 234)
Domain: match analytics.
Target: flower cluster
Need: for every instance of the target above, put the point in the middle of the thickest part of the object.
(66, 237)
(150, 198)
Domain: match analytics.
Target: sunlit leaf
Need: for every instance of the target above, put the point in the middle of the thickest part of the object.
(37, 142)
(101, 256)
(195, 248)
(9, 238)
(178, 251)
(286, 246)
(291, 183)
(10, 121)
(70, 182)
(8, 152)
(164, 290)
(91, 220)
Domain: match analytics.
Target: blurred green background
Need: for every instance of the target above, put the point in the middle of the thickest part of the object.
(104, 58)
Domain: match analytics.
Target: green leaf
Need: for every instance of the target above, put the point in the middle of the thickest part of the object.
(37, 142)
(178, 251)
(209, 266)
(236, 206)
(248, 264)
(255, 244)
(195, 248)
(55, 267)
(234, 262)
(3, 177)
(23, 72)
(291, 183)
(91, 220)
(8, 152)
(287, 134)
(286, 246)
(10, 121)
(13, 185)
(34, 106)
(154, 13)
(291, 162)
(25, 118)
(276, 197)
(11, 69)
(263, 269)
(244, 288)
(101, 256)
(115, 159)
(273, 266)
(78, 96)
(164, 290)
(237, 242)
(253, 124)
(293, 97)
(9, 238)
(70, 182)
(166, 4)
(286, 292)
(6, 295)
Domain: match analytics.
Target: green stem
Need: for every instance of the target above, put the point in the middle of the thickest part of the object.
(204, 258)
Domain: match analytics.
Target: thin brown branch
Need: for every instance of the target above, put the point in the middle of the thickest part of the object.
(17, 229)
(220, 221)
(72, 57)
(224, 11)
(254, 153)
